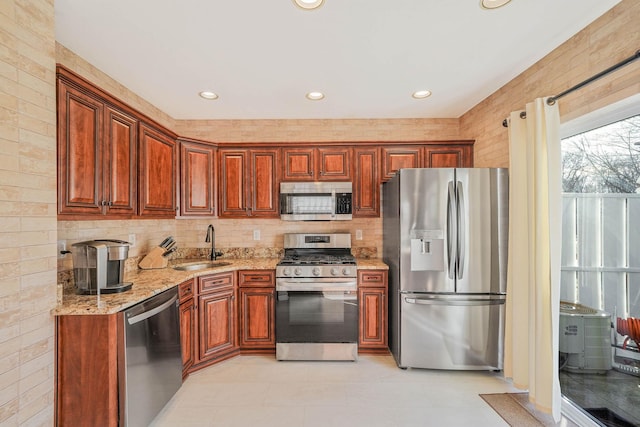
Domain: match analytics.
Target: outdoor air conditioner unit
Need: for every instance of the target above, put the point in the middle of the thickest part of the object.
(585, 339)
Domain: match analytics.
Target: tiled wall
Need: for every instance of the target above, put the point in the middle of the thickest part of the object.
(27, 211)
(230, 233)
(319, 130)
(611, 38)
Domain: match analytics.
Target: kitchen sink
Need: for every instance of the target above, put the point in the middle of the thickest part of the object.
(200, 265)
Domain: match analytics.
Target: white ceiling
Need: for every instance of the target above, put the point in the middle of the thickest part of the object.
(367, 56)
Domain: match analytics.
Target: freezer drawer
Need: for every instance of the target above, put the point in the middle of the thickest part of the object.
(451, 332)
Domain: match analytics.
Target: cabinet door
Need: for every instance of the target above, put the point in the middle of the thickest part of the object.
(232, 183)
(216, 322)
(157, 174)
(120, 163)
(80, 163)
(373, 321)
(298, 164)
(448, 156)
(187, 327)
(197, 172)
(395, 158)
(257, 318)
(373, 318)
(263, 188)
(366, 185)
(334, 164)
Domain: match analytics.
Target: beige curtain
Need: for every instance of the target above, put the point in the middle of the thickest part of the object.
(533, 278)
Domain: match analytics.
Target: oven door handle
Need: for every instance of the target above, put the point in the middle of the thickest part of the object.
(346, 286)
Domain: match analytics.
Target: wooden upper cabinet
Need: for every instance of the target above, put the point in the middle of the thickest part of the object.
(448, 156)
(120, 159)
(395, 158)
(334, 164)
(197, 179)
(299, 164)
(263, 178)
(366, 182)
(96, 156)
(156, 173)
(316, 164)
(232, 190)
(80, 164)
(248, 184)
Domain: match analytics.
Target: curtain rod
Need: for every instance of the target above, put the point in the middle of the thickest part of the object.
(552, 99)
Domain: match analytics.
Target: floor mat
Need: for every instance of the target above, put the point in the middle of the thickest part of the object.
(508, 407)
(609, 418)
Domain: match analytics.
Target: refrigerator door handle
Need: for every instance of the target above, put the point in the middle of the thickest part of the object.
(451, 239)
(462, 232)
(455, 301)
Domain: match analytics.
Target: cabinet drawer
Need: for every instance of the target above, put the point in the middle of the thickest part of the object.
(185, 290)
(256, 278)
(369, 278)
(214, 282)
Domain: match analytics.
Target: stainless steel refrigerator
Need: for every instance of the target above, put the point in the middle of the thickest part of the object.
(445, 241)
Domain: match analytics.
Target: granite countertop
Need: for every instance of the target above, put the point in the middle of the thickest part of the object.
(147, 283)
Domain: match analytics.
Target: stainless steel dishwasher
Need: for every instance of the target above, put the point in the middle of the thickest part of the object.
(153, 361)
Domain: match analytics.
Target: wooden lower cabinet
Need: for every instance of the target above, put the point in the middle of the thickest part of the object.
(87, 369)
(256, 317)
(216, 319)
(373, 321)
(187, 325)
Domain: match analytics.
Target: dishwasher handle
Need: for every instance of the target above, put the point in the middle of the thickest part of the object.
(147, 314)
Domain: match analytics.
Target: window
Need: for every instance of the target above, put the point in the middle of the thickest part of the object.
(601, 261)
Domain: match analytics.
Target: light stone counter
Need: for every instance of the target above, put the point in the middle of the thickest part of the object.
(371, 264)
(147, 283)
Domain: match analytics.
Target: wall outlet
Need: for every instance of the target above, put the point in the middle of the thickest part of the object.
(132, 239)
(358, 234)
(256, 234)
(62, 246)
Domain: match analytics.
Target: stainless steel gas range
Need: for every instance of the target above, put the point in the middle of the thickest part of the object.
(317, 298)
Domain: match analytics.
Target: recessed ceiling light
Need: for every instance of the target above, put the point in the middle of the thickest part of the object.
(208, 94)
(315, 96)
(493, 4)
(308, 4)
(419, 94)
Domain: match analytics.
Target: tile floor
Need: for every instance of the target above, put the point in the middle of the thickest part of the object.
(259, 391)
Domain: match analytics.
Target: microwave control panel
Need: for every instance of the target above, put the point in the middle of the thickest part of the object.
(343, 203)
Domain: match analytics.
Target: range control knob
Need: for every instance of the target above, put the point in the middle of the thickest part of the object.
(345, 271)
(297, 271)
(315, 271)
(286, 271)
(334, 271)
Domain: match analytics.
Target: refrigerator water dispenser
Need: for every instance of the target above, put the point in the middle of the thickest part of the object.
(427, 250)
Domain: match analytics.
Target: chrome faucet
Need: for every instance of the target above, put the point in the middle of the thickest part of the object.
(211, 237)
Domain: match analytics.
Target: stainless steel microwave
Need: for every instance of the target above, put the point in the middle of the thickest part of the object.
(315, 201)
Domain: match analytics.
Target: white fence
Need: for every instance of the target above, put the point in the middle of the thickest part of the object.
(601, 252)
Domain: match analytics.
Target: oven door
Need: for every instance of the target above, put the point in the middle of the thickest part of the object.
(316, 320)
